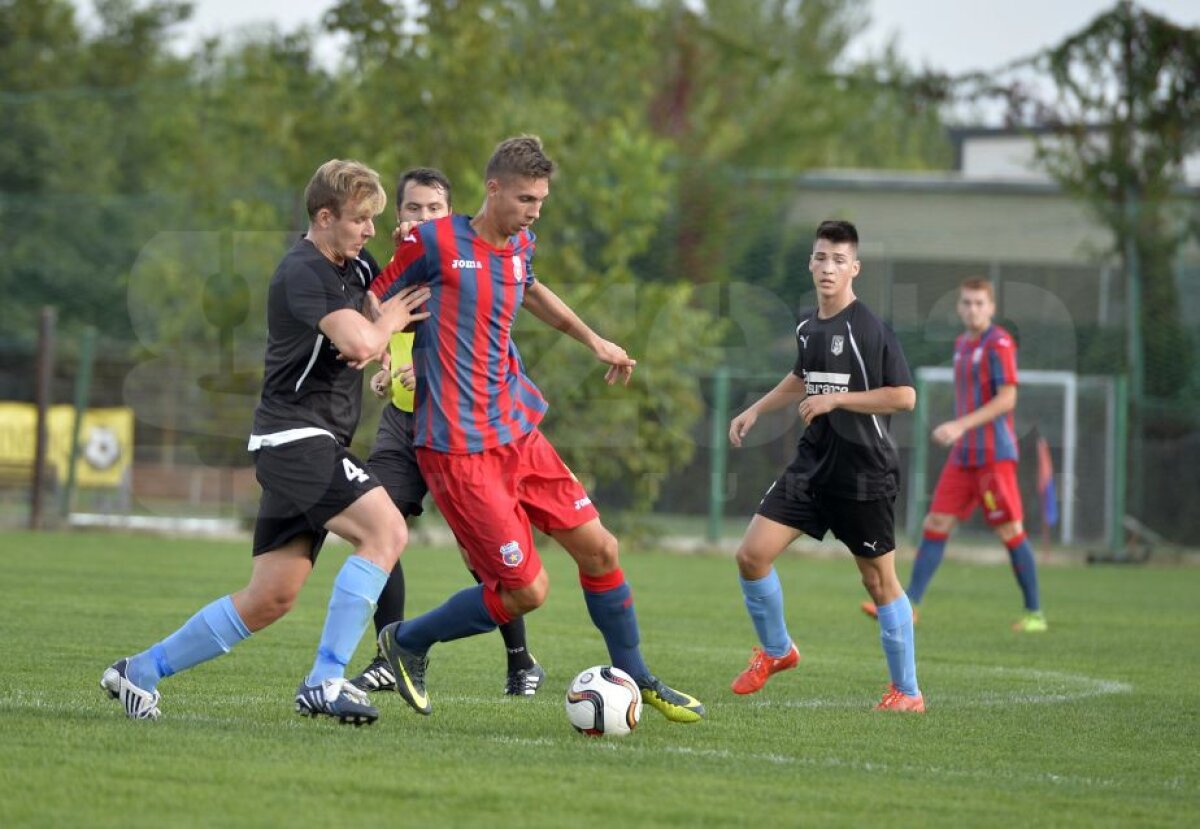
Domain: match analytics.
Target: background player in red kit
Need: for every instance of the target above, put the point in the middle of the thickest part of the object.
(490, 470)
(982, 467)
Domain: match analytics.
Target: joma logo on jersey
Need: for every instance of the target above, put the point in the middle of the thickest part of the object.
(467, 264)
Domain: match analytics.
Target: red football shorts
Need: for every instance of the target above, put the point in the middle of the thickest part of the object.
(962, 488)
(491, 498)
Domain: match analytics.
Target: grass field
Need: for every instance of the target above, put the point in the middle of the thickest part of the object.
(1094, 724)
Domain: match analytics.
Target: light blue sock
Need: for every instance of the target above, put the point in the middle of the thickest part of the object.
(210, 633)
(463, 614)
(764, 602)
(896, 634)
(1024, 568)
(355, 591)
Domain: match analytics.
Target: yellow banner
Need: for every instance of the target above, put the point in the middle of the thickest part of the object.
(105, 442)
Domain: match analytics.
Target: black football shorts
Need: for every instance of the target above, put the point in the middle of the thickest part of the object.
(394, 461)
(304, 484)
(866, 527)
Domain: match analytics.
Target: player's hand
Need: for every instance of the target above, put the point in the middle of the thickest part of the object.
(947, 433)
(362, 364)
(620, 364)
(407, 375)
(814, 406)
(381, 383)
(402, 307)
(401, 230)
(740, 425)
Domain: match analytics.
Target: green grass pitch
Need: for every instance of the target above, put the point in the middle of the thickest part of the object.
(1093, 724)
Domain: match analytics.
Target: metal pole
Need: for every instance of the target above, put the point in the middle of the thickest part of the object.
(920, 457)
(1070, 442)
(718, 453)
(1120, 449)
(1136, 371)
(83, 385)
(45, 378)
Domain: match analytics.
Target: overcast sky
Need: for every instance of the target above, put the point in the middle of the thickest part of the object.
(950, 35)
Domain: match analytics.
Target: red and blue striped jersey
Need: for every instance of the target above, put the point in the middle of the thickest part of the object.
(981, 366)
(472, 392)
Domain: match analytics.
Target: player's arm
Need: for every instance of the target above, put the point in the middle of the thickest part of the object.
(1003, 403)
(789, 391)
(359, 339)
(881, 401)
(548, 307)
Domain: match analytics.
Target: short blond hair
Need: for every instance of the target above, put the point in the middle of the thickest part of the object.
(337, 183)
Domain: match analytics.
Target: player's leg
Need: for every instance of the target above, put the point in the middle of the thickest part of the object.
(955, 496)
(393, 461)
(558, 505)
(1005, 513)
(283, 550)
(275, 581)
(765, 538)
(476, 497)
(896, 633)
(867, 528)
(609, 601)
(337, 494)
(786, 512)
(377, 531)
(524, 675)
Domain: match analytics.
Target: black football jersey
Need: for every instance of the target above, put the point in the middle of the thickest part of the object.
(849, 455)
(307, 390)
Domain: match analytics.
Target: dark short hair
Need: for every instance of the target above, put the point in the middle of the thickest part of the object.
(838, 231)
(519, 156)
(425, 176)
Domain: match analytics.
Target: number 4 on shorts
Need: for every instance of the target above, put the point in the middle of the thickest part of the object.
(353, 473)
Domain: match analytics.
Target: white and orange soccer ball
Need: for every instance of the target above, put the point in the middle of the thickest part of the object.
(604, 700)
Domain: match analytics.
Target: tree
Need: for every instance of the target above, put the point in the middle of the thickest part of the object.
(752, 92)
(1126, 114)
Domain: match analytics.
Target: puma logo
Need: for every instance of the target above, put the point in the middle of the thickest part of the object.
(870, 545)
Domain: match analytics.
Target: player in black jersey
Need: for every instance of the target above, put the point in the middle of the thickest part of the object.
(850, 375)
(322, 327)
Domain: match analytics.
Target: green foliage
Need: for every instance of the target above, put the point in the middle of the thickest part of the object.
(1126, 115)
(1091, 725)
(151, 194)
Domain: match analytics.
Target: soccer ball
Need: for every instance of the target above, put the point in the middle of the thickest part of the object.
(604, 700)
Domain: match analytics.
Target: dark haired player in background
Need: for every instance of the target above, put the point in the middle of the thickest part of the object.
(850, 374)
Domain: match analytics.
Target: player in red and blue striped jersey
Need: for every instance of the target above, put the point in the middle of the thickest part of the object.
(982, 466)
(490, 470)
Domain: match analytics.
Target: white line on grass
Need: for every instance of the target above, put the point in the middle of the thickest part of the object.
(1036, 687)
(725, 756)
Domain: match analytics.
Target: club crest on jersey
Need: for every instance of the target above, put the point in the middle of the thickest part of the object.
(837, 344)
(511, 553)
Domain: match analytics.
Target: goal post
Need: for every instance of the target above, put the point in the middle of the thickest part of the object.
(1073, 412)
